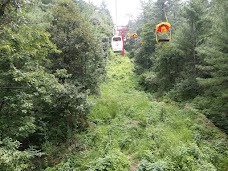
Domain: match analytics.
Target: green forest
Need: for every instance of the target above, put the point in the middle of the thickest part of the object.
(68, 103)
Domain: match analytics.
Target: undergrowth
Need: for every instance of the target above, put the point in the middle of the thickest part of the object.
(129, 130)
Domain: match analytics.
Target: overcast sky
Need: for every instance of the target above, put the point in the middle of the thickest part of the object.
(124, 9)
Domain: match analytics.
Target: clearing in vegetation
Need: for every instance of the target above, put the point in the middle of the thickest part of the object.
(129, 130)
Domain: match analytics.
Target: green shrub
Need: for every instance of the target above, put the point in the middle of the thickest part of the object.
(156, 166)
(11, 159)
(114, 160)
(185, 90)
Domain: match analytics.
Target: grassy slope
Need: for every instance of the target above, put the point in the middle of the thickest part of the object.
(131, 131)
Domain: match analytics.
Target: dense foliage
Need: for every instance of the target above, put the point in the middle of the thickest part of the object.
(48, 65)
(193, 67)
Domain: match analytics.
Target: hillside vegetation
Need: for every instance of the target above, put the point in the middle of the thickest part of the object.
(193, 67)
(130, 130)
(67, 103)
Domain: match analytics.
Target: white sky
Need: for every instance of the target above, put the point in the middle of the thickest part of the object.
(124, 9)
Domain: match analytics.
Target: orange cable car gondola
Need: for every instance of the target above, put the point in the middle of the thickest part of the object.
(163, 27)
(163, 31)
(134, 35)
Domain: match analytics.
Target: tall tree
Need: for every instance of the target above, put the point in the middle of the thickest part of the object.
(187, 37)
(214, 53)
(35, 104)
(156, 58)
(22, 51)
(81, 53)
